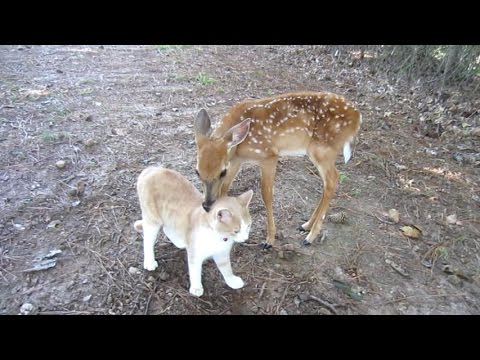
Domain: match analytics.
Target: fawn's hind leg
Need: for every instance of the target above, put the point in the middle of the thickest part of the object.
(325, 163)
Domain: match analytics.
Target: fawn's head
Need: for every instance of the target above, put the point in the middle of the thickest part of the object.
(213, 155)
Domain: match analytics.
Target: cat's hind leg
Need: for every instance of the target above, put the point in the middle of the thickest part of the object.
(150, 233)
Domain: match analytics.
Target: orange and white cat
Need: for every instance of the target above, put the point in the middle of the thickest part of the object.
(169, 201)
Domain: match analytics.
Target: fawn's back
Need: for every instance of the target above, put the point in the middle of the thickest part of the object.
(287, 124)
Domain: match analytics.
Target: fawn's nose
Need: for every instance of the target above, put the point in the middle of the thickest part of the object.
(207, 205)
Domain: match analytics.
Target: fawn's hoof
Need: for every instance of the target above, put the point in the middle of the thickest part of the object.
(266, 246)
(305, 243)
(301, 229)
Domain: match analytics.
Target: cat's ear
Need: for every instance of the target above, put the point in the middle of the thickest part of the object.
(245, 198)
(224, 215)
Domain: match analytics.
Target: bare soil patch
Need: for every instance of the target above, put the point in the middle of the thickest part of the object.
(107, 112)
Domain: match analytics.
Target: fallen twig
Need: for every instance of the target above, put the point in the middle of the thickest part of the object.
(281, 301)
(329, 306)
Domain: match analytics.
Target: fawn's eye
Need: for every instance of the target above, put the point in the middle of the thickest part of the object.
(236, 231)
(223, 173)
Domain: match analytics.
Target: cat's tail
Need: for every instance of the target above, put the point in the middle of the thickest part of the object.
(138, 226)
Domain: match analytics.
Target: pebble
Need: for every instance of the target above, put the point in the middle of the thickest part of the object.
(26, 309)
(163, 276)
(60, 164)
(134, 271)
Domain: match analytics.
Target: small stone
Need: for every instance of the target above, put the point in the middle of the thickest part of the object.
(394, 215)
(60, 164)
(454, 280)
(73, 192)
(283, 312)
(134, 271)
(324, 311)
(87, 298)
(163, 276)
(26, 309)
(53, 224)
(19, 227)
(452, 219)
(281, 254)
(458, 157)
(89, 142)
(304, 296)
(288, 247)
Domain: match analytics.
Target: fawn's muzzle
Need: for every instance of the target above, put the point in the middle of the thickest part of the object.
(207, 205)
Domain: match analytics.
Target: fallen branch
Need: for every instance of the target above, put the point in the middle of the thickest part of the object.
(329, 306)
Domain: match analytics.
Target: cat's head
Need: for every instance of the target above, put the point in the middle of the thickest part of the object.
(232, 217)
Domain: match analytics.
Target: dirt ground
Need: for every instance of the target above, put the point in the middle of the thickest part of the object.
(79, 123)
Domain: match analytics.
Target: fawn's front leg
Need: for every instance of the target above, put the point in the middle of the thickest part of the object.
(269, 168)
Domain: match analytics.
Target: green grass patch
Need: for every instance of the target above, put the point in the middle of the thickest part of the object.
(204, 79)
(166, 47)
(49, 136)
(342, 178)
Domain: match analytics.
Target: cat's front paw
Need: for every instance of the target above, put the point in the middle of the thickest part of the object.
(196, 291)
(235, 282)
(150, 265)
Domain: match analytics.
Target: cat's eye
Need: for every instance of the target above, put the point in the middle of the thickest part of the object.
(196, 171)
(223, 173)
(236, 231)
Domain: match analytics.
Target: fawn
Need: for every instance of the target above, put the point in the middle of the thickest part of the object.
(317, 124)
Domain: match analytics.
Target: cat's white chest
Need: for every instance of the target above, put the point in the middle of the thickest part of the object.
(208, 243)
(174, 237)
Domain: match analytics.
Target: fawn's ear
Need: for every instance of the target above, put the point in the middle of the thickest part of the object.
(224, 215)
(245, 198)
(238, 133)
(203, 125)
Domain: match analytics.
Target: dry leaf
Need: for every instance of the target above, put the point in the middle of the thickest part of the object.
(80, 188)
(394, 215)
(53, 224)
(411, 232)
(418, 227)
